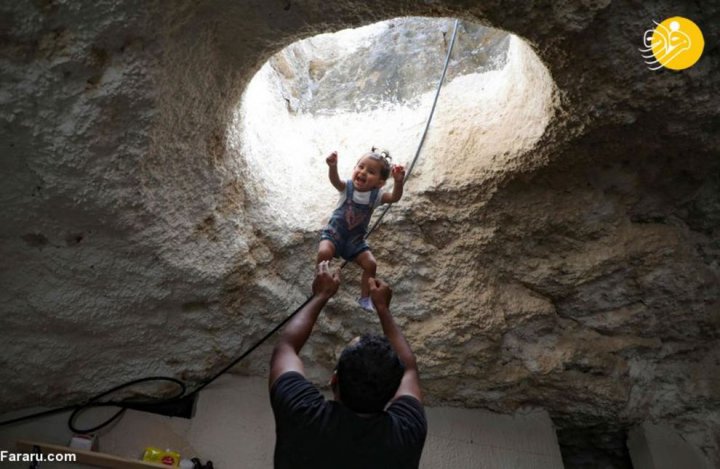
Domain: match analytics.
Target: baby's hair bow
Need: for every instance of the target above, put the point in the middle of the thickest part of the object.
(384, 154)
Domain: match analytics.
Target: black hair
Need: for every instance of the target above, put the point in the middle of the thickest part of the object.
(383, 156)
(369, 373)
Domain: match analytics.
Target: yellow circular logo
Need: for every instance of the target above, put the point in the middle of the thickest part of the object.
(676, 43)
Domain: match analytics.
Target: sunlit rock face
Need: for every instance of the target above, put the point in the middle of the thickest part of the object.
(576, 271)
(375, 86)
(393, 61)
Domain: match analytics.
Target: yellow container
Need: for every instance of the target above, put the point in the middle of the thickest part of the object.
(156, 455)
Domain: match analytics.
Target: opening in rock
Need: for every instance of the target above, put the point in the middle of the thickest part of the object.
(374, 86)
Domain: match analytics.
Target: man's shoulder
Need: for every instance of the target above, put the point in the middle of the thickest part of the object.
(406, 403)
(409, 413)
(292, 393)
(289, 376)
(290, 381)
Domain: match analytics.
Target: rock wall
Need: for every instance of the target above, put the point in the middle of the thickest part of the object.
(582, 277)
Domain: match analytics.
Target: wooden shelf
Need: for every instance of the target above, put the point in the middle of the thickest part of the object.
(92, 458)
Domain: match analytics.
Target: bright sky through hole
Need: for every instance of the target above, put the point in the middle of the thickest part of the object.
(483, 120)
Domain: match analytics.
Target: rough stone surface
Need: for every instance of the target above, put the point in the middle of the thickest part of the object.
(495, 106)
(389, 62)
(581, 276)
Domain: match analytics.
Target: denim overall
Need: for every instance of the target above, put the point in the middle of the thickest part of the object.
(348, 225)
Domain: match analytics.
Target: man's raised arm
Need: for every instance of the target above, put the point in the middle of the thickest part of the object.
(285, 354)
(381, 295)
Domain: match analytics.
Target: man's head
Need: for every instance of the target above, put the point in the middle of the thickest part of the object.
(368, 374)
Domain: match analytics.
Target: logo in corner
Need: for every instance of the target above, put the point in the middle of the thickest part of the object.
(676, 43)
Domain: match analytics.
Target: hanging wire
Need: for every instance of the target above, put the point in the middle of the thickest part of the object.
(427, 126)
(124, 405)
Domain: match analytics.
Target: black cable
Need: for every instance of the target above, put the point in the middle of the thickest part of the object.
(377, 222)
(124, 405)
(427, 126)
(78, 409)
(251, 349)
(37, 415)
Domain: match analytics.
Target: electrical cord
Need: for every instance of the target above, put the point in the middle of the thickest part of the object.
(124, 405)
(78, 409)
(427, 126)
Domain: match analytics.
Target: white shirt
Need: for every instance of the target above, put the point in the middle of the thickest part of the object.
(360, 197)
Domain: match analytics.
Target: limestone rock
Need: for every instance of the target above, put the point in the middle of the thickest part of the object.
(581, 275)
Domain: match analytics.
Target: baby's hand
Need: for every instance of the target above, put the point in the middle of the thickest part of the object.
(398, 172)
(332, 159)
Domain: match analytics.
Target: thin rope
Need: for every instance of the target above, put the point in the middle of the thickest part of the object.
(376, 224)
(93, 402)
(424, 134)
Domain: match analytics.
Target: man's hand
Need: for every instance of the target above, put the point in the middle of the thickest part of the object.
(326, 283)
(380, 293)
(398, 172)
(332, 159)
(285, 354)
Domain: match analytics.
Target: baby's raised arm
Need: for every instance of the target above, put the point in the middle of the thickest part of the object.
(333, 172)
(398, 174)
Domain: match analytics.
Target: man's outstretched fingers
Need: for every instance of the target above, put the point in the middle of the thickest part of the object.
(380, 292)
(325, 282)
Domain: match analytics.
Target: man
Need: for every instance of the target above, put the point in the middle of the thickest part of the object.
(355, 430)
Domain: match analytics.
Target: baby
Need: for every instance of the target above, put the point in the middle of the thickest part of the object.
(344, 235)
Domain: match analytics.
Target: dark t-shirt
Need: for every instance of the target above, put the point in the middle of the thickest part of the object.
(316, 433)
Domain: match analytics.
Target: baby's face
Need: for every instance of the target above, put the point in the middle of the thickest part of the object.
(366, 174)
